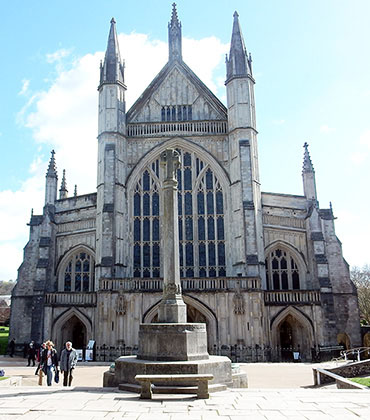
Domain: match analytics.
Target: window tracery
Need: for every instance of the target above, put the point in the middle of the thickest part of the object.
(282, 272)
(177, 113)
(201, 221)
(79, 273)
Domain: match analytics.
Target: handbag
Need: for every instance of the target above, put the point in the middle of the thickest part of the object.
(56, 376)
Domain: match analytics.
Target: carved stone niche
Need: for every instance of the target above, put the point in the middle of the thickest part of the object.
(121, 305)
(239, 306)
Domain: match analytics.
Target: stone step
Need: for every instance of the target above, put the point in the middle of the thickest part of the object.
(171, 389)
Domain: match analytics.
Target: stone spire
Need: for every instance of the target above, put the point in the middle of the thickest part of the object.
(307, 163)
(112, 70)
(52, 169)
(75, 191)
(51, 181)
(238, 64)
(63, 192)
(174, 36)
(308, 175)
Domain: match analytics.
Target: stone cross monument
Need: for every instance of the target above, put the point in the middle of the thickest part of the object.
(172, 308)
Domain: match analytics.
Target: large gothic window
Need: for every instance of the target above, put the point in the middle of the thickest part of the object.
(282, 271)
(78, 275)
(146, 224)
(201, 221)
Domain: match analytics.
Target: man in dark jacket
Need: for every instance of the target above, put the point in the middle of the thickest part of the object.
(31, 353)
(68, 361)
(11, 347)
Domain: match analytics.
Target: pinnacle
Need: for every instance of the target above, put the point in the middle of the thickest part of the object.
(52, 170)
(174, 17)
(307, 163)
(239, 63)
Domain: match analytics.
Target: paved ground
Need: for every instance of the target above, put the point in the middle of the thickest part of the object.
(260, 375)
(90, 402)
(52, 403)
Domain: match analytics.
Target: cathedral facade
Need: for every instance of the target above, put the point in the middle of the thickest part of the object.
(263, 270)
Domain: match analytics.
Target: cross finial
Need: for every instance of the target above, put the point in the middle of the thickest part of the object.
(307, 163)
(170, 161)
(113, 20)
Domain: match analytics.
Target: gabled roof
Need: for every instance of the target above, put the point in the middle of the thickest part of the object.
(193, 79)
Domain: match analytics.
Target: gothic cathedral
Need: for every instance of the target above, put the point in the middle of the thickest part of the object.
(264, 271)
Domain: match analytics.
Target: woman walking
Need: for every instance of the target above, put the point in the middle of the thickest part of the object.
(49, 361)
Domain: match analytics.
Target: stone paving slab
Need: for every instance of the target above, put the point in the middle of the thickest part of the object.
(33, 403)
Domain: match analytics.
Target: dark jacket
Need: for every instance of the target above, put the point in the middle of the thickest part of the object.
(67, 363)
(44, 358)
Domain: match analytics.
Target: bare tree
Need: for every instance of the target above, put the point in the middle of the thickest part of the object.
(361, 278)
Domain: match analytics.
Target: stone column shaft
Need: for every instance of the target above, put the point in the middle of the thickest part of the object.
(172, 308)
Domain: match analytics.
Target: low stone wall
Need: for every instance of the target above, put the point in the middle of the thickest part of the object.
(350, 370)
(322, 376)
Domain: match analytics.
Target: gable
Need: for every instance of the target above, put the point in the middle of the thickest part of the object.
(176, 94)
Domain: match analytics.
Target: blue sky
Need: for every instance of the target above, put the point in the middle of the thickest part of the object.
(312, 69)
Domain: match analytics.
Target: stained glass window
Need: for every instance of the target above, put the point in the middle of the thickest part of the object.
(79, 273)
(282, 271)
(146, 235)
(201, 219)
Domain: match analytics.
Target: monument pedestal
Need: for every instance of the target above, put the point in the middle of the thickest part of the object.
(127, 367)
(173, 342)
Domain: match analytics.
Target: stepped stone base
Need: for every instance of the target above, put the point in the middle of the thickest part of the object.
(172, 389)
(127, 367)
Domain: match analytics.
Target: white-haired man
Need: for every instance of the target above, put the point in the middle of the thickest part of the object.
(68, 361)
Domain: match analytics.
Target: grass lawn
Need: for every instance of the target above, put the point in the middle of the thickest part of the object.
(362, 381)
(4, 334)
(4, 377)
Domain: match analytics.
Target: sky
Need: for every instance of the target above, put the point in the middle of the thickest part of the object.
(311, 64)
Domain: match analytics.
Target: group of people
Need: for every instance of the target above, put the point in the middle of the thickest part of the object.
(49, 363)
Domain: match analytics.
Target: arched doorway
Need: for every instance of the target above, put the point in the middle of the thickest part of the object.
(72, 326)
(291, 332)
(74, 330)
(343, 340)
(286, 341)
(196, 312)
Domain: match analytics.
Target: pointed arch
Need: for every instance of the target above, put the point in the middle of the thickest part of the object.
(62, 320)
(285, 267)
(203, 194)
(209, 315)
(302, 332)
(66, 270)
(186, 145)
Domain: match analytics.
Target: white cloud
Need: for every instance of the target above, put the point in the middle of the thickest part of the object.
(57, 56)
(326, 129)
(361, 148)
(64, 118)
(278, 122)
(25, 86)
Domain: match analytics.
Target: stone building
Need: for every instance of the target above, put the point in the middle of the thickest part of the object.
(264, 271)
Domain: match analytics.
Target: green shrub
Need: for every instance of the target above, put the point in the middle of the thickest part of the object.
(4, 335)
